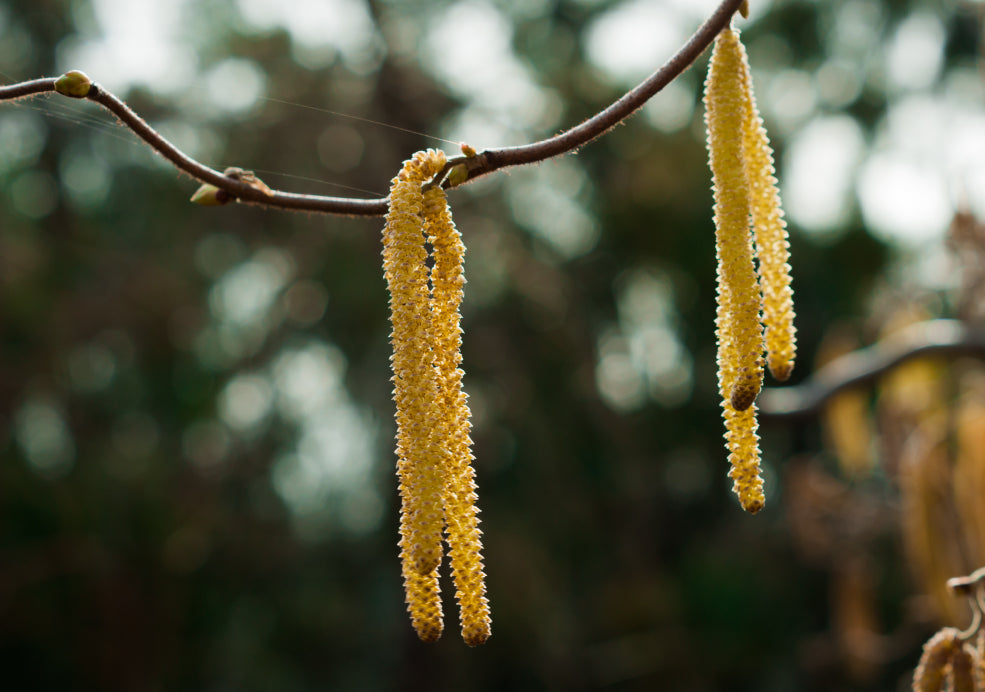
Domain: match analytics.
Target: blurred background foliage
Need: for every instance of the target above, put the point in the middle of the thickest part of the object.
(197, 482)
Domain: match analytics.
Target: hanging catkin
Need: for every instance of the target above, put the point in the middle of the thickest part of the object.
(437, 480)
(740, 341)
(770, 232)
(747, 204)
(461, 513)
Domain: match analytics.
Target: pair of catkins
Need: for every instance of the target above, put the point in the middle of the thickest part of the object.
(948, 663)
(437, 483)
(748, 224)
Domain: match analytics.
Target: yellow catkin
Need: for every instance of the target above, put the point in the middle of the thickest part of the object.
(962, 674)
(968, 475)
(423, 603)
(937, 652)
(414, 379)
(741, 439)
(461, 514)
(743, 446)
(737, 324)
(929, 525)
(437, 481)
(738, 287)
(846, 420)
(770, 230)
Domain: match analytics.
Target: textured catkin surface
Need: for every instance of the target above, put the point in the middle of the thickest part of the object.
(740, 340)
(962, 669)
(423, 596)
(937, 652)
(414, 393)
(414, 385)
(726, 102)
(461, 514)
(743, 444)
(770, 231)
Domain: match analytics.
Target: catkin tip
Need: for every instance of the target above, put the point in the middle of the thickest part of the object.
(781, 373)
(743, 396)
(477, 636)
(429, 632)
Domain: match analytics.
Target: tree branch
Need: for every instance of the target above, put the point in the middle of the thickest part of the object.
(233, 185)
(471, 166)
(24, 89)
(950, 338)
(596, 126)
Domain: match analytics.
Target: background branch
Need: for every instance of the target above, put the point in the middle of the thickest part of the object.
(475, 166)
(951, 338)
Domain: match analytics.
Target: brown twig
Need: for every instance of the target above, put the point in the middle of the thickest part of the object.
(596, 126)
(474, 166)
(33, 87)
(949, 338)
(232, 184)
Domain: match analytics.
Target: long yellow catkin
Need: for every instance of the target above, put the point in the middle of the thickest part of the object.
(725, 107)
(461, 514)
(770, 231)
(437, 482)
(740, 341)
(419, 463)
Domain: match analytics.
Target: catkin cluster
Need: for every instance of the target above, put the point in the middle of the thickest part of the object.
(749, 227)
(948, 663)
(437, 482)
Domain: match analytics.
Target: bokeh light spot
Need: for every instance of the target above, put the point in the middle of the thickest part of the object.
(43, 435)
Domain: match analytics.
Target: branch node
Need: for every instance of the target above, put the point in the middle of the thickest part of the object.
(248, 178)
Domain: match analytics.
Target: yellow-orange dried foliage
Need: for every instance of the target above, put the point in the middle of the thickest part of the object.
(846, 418)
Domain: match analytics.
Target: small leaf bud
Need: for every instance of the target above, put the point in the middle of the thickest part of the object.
(74, 84)
(210, 196)
(457, 175)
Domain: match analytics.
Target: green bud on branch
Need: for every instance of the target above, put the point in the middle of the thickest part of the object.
(210, 196)
(74, 84)
(457, 175)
